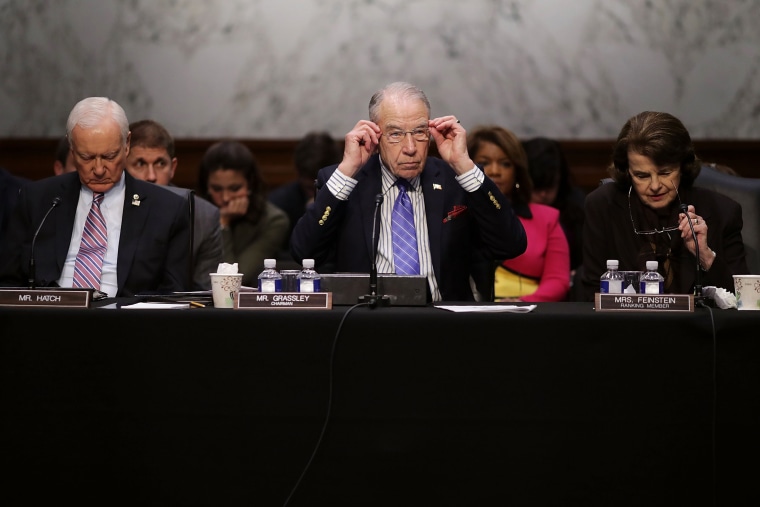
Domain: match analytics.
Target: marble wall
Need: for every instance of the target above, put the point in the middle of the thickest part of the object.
(571, 69)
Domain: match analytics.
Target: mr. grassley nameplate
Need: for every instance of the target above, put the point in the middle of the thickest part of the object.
(46, 298)
(644, 302)
(284, 300)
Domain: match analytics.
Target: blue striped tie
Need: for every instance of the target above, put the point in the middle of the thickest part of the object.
(92, 250)
(405, 255)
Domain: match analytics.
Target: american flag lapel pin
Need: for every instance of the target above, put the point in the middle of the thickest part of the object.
(437, 186)
(135, 200)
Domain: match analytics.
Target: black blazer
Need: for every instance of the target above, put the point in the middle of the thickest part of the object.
(153, 249)
(608, 234)
(339, 233)
(9, 188)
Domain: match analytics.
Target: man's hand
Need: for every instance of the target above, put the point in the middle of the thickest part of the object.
(360, 144)
(451, 139)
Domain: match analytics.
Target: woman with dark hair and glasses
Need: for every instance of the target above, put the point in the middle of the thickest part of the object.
(638, 217)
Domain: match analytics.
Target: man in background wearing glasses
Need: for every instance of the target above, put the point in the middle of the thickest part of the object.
(459, 215)
(638, 217)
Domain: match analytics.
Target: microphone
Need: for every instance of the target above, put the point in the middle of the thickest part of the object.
(32, 274)
(698, 297)
(373, 298)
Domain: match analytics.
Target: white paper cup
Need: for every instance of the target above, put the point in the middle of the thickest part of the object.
(747, 290)
(225, 288)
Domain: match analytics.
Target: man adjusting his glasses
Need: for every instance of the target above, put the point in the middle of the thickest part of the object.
(430, 216)
(639, 217)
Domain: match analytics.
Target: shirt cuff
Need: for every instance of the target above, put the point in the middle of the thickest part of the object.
(341, 185)
(472, 179)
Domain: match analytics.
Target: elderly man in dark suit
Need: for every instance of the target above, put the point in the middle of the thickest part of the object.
(454, 213)
(108, 230)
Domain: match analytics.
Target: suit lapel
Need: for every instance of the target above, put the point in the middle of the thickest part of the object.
(64, 218)
(434, 191)
(371, 185)
(134, 219)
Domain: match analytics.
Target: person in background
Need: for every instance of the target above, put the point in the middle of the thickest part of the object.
(152, 158)
(552, 186)
(138, 231)
(64, 159)
(542, 272)
(315, 150)
(10, 185)
(457, 212)
(253, 229)
(638, 217)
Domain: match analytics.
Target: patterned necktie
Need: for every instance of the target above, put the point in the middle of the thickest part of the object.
(405, 255)
(93, 247)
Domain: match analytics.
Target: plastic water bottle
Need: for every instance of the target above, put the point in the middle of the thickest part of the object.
(611, 282)
(651, 281)
(308, 279)
(270, 279)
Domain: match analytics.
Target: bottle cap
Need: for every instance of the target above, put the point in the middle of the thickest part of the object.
(652, 265)
(270, 263)
(612, 264)
(308, 263)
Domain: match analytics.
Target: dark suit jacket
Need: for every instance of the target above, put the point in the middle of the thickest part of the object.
(608, 234)
(339, 233)
(153, 249)
(9, 188)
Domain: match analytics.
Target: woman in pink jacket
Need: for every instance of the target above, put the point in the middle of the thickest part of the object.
(542, 272)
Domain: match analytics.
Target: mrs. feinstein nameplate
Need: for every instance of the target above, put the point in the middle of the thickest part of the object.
(284, 300)
(644, 302)
(46, 298)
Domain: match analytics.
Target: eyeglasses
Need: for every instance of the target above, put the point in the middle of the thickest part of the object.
(655, 231)
(396, 136)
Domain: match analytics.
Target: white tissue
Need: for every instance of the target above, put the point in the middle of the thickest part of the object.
(723, 298)
(227, 269)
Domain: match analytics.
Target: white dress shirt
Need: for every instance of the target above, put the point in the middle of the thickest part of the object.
(112, 208)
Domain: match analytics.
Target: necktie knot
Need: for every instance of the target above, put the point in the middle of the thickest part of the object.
(97, 198)
(403, 185)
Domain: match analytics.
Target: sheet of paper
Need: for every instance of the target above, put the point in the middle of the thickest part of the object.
(488, 308)
(158, 306)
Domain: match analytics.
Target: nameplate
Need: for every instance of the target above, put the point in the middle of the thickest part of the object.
(46, 298)
(284, 300)
(644, 302)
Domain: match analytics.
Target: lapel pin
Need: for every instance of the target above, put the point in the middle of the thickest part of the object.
(437, 186)
(135, 200)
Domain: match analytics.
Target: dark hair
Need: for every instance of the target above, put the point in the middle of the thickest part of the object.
(662, 138)
(235, 156)
(314, 151)
(62, 150)
(512, 147)
(151, 134)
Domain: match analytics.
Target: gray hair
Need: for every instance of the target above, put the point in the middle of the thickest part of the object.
(90, 112)
(397, 89)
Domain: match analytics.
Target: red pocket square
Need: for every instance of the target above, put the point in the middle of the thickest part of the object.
(457, 210)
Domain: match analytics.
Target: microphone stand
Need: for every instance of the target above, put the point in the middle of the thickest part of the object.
(699, 298)
(373, 299)
(32, 273)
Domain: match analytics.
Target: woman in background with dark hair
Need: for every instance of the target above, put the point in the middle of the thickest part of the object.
(637, 218)
(552, 186)
(542, 272)
(253, 229)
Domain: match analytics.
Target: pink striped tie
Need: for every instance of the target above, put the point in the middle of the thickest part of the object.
(93, 247)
